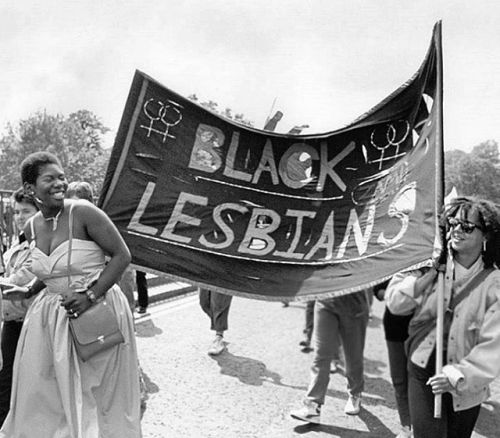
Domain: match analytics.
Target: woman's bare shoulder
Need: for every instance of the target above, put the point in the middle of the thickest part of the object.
(30, 225)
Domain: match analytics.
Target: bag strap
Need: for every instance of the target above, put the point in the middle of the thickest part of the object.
(32, 228)
(70, 243)
(469, 287)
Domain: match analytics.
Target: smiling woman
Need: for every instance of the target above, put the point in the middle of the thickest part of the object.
(98, 397)
(471, 324)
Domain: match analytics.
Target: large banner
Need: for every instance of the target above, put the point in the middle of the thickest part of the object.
(275, 216)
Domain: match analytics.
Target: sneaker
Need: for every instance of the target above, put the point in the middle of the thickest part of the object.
(406, 432)
(217, 347)
(353, 405)
(309, 413)
(142, 310)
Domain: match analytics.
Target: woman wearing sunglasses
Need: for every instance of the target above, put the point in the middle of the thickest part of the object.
(471, 341)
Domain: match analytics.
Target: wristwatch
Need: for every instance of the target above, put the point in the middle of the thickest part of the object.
(91, 296)
(30, 292)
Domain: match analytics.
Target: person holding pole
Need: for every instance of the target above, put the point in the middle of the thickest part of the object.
(471, 323)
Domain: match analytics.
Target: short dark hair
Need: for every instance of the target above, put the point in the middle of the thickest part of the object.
(20, 196)
(80, 189)
(30, 166)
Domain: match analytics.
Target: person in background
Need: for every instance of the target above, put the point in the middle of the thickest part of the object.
(396, 333)
(347, 316)
(54, 392)
(216, 305)
(80, 190)
(16, 262)
(471, 328)
(142, 291)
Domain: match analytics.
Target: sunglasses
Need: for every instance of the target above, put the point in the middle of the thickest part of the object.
(467, 227)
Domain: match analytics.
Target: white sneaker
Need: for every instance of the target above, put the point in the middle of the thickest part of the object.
(309, 413)
(405, 432)
(353, 405)
(217, 347)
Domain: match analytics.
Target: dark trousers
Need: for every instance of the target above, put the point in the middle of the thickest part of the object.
(452, 424)
(399, 376)
(10, 335)
(309, 324)
(142, 288)
(216, 306)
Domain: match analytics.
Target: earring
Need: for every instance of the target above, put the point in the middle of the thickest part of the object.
(484, 245)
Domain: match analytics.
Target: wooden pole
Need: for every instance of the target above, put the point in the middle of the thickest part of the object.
(439, 204)
(439, 340)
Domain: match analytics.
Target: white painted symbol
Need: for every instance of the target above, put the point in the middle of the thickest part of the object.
(393, 138)
(159, 114)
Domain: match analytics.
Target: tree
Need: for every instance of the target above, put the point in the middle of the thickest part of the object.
(227, 112)
(476, 173)
(76, 140)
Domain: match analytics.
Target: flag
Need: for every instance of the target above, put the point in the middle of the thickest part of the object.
(271, 216)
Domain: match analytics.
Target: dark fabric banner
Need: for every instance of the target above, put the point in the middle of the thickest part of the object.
(276, 216)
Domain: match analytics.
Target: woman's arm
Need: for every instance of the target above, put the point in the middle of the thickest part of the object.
(482, 364)
(92, 223)
(404, 291)
(102, 231)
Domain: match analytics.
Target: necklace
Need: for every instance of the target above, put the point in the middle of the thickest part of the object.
(54, 219)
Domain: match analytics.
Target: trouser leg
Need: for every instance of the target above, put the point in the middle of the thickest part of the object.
(309, 324)
(325, 347)
(353, 335)
(399, 376)
(10, 335)
(461, 423)
(216, 306)
(421, 401)
(142, 288)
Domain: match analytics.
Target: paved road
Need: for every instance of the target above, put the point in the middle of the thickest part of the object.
(248, 391)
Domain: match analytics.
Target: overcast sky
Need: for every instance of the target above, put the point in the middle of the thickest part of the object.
(325, 62)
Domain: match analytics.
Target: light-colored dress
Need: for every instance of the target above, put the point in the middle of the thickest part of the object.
(54, 393)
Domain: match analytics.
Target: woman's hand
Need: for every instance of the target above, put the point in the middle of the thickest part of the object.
(440, 384)
(76, 304)
(423, 282)
(15, 293)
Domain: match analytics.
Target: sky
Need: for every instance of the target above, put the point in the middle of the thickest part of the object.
(322, 63)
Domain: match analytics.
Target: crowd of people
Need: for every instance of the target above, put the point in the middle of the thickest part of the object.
(70, 259)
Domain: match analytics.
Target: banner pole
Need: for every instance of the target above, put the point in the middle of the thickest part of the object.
(439, 204)
(439, 340)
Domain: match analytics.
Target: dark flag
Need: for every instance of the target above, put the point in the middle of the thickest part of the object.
(273, 216)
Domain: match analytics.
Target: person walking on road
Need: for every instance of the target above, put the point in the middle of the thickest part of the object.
(396, 333)
(16, 261)
(216, 306)
(471, 329)
(347, 316)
